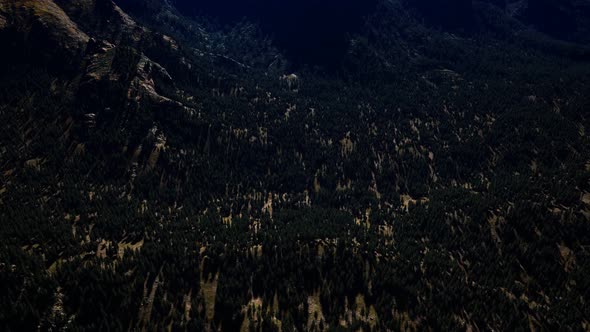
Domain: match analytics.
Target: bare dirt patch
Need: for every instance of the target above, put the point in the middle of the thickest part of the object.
(122, 246)
(209, 293)
(315, 313)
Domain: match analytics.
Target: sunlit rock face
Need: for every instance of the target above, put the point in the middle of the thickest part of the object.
(309, 31)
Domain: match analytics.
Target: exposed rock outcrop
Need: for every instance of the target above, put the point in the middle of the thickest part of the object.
(143, 85)
(43, 21)
(104, 18)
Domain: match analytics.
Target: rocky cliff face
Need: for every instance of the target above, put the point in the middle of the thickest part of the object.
(55, 29)
(90, 46)
(104, 19)
(42, 26)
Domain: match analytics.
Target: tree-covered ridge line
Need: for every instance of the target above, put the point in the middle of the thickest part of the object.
(436, 182)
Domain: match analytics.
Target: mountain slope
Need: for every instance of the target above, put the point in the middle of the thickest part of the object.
(160, 171)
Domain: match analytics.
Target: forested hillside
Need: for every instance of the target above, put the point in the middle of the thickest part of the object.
(170, 166)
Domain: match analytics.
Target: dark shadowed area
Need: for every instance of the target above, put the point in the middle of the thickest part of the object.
(308, 31)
